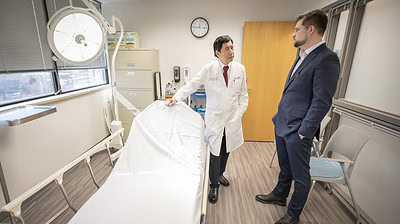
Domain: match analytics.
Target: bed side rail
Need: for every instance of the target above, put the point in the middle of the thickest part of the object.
(14, 207)
(205, 187)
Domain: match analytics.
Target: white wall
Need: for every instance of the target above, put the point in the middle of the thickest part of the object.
(164, 24)
(33, 151)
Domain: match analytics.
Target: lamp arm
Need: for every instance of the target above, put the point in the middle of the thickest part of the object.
(110, 29)
(107, 26)
(113, 82)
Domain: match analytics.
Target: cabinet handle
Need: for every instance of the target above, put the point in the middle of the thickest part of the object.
(132, 93)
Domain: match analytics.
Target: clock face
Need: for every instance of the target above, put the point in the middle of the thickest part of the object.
(199, 27)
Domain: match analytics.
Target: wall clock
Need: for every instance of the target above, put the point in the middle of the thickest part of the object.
(199, 27)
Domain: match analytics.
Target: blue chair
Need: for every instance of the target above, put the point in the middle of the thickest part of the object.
(347, 142)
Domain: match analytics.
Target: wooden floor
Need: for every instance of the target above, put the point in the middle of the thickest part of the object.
(248, 172)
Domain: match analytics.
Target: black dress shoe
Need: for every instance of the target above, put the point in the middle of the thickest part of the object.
(213, 195)
(223, 181)
(286, 219)
(271, 199)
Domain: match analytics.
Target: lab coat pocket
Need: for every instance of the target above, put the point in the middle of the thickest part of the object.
(235, 121)
(237, 83)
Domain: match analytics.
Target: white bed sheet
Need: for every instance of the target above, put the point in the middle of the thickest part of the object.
(159, 175)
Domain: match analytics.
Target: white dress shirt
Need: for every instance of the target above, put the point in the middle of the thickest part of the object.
(221, 66)
(303, 54)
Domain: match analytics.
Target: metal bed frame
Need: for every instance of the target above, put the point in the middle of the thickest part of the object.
(14, 207)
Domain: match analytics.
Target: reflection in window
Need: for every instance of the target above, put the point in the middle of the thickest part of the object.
(80, 79)
(337, 48)
(23, 86)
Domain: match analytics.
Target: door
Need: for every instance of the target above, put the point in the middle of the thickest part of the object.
(268, 54)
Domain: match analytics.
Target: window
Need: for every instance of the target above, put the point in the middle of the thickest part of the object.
(24, 86)
(340, 32)
(27, 70)
(80, 79)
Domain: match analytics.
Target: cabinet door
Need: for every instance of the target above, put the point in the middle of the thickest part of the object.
(134, 79)
(140, 98)
(134, 60)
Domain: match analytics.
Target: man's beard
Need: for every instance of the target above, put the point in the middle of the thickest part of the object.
(298, 43)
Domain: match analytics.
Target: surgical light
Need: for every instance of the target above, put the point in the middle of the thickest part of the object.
(76, 36)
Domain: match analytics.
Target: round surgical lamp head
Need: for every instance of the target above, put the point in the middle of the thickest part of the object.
(75, 35)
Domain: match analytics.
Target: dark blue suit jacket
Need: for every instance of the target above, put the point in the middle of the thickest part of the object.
(307, 96)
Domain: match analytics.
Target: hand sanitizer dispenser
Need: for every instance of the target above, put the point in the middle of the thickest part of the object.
(177, 74)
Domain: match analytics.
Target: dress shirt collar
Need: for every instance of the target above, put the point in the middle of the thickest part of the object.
(221, 65)
(308, 51)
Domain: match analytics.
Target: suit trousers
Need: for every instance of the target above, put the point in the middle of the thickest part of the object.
(218, 163)
(294, 159)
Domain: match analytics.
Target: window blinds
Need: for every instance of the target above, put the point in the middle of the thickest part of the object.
(23, 37)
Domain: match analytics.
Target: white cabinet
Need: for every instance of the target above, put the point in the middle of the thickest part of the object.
(135, 72)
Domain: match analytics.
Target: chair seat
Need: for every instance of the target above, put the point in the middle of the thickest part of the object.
(321, 167)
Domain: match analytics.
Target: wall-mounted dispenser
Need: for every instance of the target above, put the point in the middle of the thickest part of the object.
(177, 74)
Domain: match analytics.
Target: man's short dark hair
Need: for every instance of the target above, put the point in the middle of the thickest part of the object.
(315, 17)
(220, 41)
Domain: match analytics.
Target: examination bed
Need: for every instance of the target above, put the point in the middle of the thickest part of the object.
(160, 176)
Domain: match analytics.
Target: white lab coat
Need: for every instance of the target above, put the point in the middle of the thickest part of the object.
(225, 105)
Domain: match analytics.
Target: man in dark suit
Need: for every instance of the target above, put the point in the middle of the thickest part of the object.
(306, 98)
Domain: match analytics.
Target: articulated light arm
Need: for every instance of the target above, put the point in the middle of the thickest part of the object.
(110, 29)
(113, 82)
(107, 26)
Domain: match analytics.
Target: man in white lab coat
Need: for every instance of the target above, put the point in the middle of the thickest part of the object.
(224, 81)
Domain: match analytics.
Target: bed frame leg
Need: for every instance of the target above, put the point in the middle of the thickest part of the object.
(59, 183)
(109, 154)
(87, 161)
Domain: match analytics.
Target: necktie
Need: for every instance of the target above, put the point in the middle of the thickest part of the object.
(226, 75)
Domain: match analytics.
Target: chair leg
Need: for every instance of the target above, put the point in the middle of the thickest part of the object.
(309, 193)
(313, 149)
(272, 160)
(317, 149)
(351, 194)
(328, 187)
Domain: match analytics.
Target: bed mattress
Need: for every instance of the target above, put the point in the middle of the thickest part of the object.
(159, 175)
